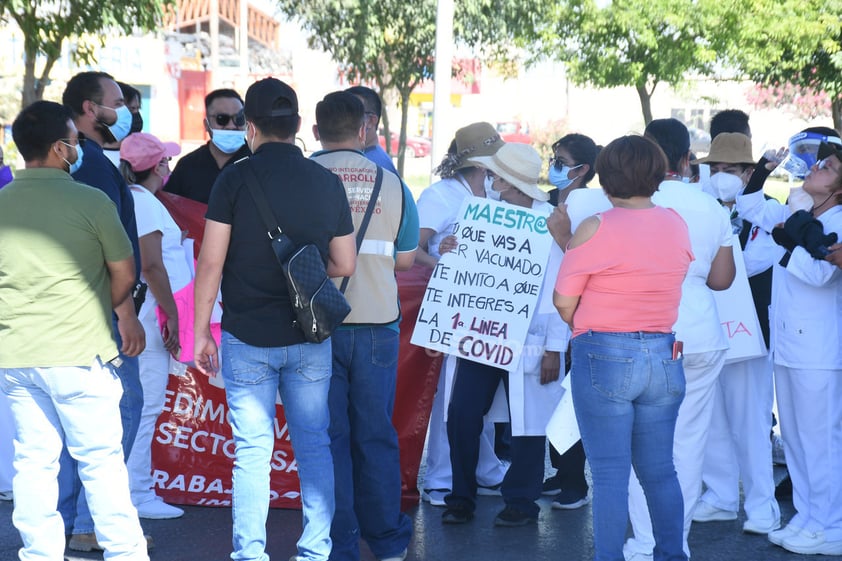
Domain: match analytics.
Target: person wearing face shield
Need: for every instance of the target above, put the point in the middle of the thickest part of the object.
(438, 206)
(806, 297)
(738, 446)
(100, 114)
(225, 122)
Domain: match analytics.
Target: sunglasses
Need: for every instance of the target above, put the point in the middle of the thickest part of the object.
(222, 119)
(557, 163)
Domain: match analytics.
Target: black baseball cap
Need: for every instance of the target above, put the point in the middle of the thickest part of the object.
(270, 98)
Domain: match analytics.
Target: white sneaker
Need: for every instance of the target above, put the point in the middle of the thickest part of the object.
(812, 543)
(778, 536)
(157, 509)
(6, 496)
(757, 523)
(435, 496)
(706, 512)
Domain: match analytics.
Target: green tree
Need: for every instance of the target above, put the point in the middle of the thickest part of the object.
(638, 43)
(47, 24)
(391, 43)
(796, 42)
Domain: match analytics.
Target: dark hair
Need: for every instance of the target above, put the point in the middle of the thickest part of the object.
(224, 92)
(339, 116)
(631, 166)
(38, 127)
(371, 100)
(582, 149)
(83, 86)
(827, 131)
(451, 165)
(673, 138)
(129, 92)
(278, 127)
(729, 120)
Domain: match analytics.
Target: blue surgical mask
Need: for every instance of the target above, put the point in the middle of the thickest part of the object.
(558, 177)
(227, 140)
(74, 167)
(121, 127)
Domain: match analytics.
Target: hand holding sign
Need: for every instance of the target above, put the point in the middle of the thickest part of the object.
(482, 296)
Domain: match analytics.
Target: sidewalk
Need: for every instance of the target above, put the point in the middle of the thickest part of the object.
(204, 534)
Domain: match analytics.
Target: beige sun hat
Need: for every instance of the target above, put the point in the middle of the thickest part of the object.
(519, 164)
(729, 148)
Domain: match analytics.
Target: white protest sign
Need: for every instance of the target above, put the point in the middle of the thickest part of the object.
(482, 295)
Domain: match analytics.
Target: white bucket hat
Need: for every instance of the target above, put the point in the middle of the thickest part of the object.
(519, 164)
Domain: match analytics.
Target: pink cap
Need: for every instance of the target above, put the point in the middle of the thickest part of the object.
(144, 151)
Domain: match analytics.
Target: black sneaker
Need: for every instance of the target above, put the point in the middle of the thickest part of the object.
(456, 515)
(570, 501)
(513, 517)
(552, 486)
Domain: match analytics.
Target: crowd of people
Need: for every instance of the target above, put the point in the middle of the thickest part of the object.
(101, 295)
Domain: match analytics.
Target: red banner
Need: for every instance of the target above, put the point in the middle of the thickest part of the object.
(193, 450)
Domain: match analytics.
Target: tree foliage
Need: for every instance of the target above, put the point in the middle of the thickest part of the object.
(391, 43)
(638, 43)
(792, 43)
(47, 24)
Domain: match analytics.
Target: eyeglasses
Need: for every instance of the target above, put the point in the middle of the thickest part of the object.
(222, 119)
(165, 161)
(69, 141)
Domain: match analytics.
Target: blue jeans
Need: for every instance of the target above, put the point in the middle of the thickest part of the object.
(473, 394)
(253, 377)
(626, 392)
(364, 444)
(72, 503)
(75, 407)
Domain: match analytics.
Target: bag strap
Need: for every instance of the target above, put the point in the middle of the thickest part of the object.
(259, 197)
(369, 210)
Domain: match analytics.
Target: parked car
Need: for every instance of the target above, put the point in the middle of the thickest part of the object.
(416, 146)
(514, 131)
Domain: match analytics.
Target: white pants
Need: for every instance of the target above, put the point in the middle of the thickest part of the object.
(7, 448)
(810, 409)
(700, 372)
(154, 375)
(490, 470)
(80, 406)
(738, 446)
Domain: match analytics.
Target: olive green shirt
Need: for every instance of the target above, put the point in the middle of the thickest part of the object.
(55, 290)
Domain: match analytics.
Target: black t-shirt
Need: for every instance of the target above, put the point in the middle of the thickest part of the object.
(196, 172)
(310, 205)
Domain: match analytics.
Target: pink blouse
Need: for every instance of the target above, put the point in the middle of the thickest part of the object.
(628, 275)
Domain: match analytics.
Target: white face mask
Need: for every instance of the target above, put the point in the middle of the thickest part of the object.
(489, 189)
(726, 185)
(799, 199)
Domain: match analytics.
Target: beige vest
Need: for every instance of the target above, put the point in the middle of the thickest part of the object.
(372, 290)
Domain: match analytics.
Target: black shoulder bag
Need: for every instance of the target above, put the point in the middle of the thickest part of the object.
(319, 306)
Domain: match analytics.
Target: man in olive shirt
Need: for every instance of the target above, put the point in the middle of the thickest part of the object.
(66, 262)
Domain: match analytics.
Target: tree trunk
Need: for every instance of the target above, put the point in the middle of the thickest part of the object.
(404, 93)
(33, 89)
(645, 103)
(836, 111)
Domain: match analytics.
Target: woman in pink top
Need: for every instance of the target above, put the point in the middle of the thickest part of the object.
(619, 288)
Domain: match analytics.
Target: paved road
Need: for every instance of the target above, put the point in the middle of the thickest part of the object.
(204, 534)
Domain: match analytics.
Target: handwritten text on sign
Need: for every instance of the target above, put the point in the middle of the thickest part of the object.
(481, 296)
